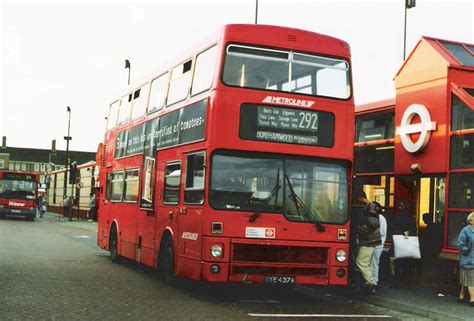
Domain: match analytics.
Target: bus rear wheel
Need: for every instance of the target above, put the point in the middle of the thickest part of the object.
(113, 246)
(166, 260)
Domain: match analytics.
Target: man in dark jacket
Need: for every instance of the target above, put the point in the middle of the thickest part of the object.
(368, 230)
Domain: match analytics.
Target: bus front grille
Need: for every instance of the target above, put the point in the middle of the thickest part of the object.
(243, 252)
(276, 270)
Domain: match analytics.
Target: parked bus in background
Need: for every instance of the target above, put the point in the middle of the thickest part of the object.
(18, 194)
(234, 164)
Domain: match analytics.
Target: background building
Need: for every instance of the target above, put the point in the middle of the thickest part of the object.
(80, 189)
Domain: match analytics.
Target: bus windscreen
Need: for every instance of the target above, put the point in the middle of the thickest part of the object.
(286, 71)
(17, 189)
(251, 182)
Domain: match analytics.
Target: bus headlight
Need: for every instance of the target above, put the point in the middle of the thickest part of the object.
(341, 256)
(216, 250)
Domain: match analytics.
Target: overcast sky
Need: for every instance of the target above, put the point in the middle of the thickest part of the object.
(71, 53)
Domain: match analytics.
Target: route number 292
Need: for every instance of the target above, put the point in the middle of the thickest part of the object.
(308, 120)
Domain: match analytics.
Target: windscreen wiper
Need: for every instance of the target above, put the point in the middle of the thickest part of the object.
(275, 189)
(299, 204)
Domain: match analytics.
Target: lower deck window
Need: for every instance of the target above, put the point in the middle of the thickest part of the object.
(117, 187)
(194, 191)
(172, 183)
(131, 185)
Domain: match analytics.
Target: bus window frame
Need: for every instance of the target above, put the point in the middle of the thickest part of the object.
(112, 185)
(142, 92)
(119, 101)
(167, 84)
(130, 102)
(345, 59)
(108, 186)
(193, 189)
(188, 90)
(125, 179)
(388, 126)
(216, 46)
(170, 163)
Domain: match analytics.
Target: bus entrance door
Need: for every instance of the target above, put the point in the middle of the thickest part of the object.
(426, 196)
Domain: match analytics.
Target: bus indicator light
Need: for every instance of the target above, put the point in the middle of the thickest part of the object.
(217, 227)
(342, 234)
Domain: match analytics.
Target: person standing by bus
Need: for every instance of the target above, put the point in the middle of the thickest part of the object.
(466, 259)
(379, 248)
(368, 237)
(92, 207)
(41, 205)
(66, 204)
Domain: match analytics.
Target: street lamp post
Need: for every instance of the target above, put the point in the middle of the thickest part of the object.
(67, 138)
(256, 11)
(408, 5)
(128, 65)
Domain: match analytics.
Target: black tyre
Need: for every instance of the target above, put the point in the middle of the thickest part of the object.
(167, 260)
(113, 246)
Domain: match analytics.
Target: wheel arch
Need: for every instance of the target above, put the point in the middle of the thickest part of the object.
(167, 232)
(117, 229)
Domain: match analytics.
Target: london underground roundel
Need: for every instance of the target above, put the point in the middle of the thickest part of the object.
(424, 128)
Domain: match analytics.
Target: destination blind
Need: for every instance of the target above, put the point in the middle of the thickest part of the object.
(19, 177)
(286, 125)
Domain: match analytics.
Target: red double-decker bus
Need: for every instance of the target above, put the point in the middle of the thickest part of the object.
(234, 164)
(18, 194)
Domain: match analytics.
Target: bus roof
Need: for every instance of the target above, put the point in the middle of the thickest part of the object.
(265, 35)
(375, 106)
(286, 37)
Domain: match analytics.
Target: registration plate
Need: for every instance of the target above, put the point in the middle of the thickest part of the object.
(280, 279)
(16, 211)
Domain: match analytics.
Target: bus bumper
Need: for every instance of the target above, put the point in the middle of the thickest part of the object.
(10, 212)
(219, 272)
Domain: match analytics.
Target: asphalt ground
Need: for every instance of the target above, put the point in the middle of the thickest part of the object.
(53, 270)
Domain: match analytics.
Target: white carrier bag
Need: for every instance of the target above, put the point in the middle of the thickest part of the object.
(406, 247)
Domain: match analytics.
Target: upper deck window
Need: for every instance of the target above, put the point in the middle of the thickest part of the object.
(179, 82)
(113, 113)
(125, 109)
(376, 126)
(204, 70)
(158, 93)
(286, 71)
(140, 99)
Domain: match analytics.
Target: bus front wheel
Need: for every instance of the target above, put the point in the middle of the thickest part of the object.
(167, 260)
